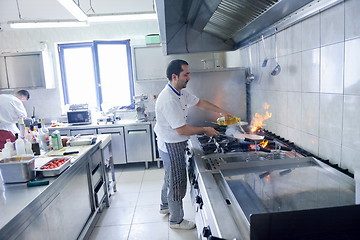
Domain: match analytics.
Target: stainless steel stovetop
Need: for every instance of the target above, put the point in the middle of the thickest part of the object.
(239, 195)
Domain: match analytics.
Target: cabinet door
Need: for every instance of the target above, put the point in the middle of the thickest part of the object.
(138, 143)
(3, 77)
(117, 143)
(24, 71)
(156, 70)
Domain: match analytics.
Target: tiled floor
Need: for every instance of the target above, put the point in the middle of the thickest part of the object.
(134, 211)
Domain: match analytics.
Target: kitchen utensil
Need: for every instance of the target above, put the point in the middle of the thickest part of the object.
(17, 169)
(265, 59)
(248, 136)
(37, 183)
(277, 68)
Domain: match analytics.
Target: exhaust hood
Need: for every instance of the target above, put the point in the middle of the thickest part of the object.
(188, 26)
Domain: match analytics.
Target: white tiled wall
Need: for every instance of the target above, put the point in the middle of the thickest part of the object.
(316, 97)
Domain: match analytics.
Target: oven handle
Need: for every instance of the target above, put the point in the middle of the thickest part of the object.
(206, 232)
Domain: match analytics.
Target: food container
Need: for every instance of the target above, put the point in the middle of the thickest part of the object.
(54, 170)
(17, 169)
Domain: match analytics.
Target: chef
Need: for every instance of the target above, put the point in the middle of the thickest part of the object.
(172, 132)
(11, 109)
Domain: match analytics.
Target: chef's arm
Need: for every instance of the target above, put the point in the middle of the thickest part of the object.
(205, 105)
(189, 130)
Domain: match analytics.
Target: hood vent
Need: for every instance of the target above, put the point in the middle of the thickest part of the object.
(233, 15)
(188, 26)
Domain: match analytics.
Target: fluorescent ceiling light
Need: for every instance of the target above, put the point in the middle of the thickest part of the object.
(121, 17)
(74, 9)
(47, 24)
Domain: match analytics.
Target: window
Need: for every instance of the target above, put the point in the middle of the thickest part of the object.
(98, 73)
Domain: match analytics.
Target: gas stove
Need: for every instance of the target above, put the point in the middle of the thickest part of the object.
(244, 184)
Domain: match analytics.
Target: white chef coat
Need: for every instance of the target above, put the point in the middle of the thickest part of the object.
(11, 109)
(171, 111)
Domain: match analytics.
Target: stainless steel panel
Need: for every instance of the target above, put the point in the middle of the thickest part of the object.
(3, 75)
(25, 71)
(291, 187)
(17, 169)
(138, 143)
(117, 143)
(226, 89)
(83, 132)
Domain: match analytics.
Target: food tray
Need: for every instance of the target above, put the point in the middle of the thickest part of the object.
(56, 170)
(82, 140)
(17, 169)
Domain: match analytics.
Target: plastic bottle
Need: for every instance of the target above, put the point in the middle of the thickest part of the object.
(28, 147)
(20, 146)
(21, 127)
(42, 138)
(56, 140)
(47, 134)
(9, 149)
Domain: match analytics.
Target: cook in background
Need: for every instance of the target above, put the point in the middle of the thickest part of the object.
(11, 109)
(173, 132)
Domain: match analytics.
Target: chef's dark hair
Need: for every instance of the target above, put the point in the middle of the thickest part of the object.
(174, 67)
(24, 93)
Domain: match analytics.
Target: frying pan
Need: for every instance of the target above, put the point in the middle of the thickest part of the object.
(254, 137)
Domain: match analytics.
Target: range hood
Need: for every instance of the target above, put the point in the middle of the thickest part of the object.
(188, 26)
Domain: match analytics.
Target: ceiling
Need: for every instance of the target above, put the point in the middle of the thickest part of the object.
(41, 10)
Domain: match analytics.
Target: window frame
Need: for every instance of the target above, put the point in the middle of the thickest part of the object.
(93, 45)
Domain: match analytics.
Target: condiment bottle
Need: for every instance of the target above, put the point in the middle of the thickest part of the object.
(20, 146)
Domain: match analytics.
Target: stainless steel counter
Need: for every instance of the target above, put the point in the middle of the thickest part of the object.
(20, 205)
(121, 123)
(270, 198)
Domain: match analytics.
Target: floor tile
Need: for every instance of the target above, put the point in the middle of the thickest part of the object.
(110, 233)
(149, 231)
(120, 199)
(128, 187)
(149, 198)
(149, 214)
(116, 216)
(176, 234)
(134, 209)
(156, 174)
(151, 185)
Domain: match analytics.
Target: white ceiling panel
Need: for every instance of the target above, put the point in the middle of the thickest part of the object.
(52, 10)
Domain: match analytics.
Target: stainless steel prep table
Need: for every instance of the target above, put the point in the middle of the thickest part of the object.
(21, 206)
(124, 151)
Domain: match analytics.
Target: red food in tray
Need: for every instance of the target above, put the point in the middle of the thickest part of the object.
(55, 163)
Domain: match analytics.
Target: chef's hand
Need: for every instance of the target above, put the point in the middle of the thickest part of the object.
(227, 114)
(210, 132)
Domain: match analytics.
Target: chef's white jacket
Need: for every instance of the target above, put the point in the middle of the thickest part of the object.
(171, 111)
(11, 109)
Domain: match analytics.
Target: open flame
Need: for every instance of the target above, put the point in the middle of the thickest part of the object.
(264, 144)
(258, 120)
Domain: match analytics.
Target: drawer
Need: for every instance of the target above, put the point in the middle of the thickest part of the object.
(91, 131)
(95, 160)
(96, 175)
(99, 193)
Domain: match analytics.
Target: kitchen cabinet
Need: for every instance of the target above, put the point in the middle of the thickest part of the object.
(150, 62)
(67, 211)
(117, 142)
(26, 70)
(138, 143)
